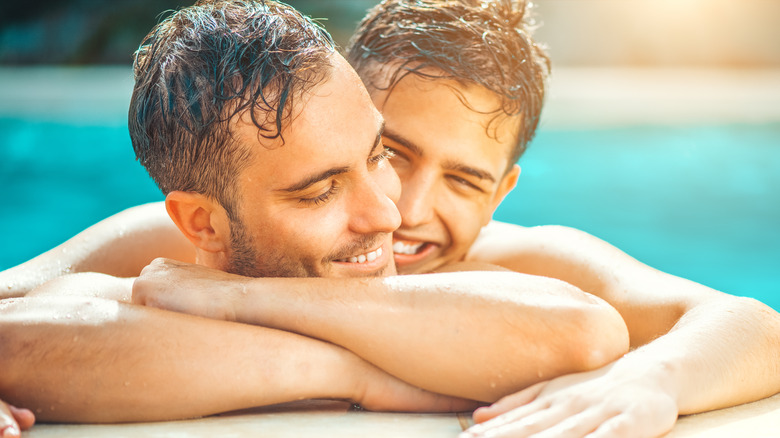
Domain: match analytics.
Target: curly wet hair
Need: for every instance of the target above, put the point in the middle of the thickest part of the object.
(488, 43)
(201, 68)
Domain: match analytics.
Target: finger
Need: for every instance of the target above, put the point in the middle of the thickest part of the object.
(24, 417)
(8, 426)
(138, 296)
(524, 422)
(508, 403)
(578, 426)
(618, 427)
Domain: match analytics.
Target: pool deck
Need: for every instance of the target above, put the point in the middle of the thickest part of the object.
(334, 419)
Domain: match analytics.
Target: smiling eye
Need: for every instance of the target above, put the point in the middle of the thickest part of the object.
(321, 199)
(465, 183)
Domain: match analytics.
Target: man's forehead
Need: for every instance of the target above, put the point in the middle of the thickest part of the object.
(448, 109)
(334, 126)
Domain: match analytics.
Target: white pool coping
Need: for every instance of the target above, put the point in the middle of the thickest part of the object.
(333, 419)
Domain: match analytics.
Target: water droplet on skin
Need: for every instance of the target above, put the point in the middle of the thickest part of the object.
(127, 383)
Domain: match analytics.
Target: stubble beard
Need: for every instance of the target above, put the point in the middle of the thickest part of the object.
(244, 258)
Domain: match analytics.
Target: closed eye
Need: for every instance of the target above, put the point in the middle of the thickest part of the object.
(465, 183)
(386, 153)
(321, 199)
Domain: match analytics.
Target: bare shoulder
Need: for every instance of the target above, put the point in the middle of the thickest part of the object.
(500, 242)
(559, 252)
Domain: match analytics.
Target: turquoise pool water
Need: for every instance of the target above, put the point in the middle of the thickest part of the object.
(702, 202)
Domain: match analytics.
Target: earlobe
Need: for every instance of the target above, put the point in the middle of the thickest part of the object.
(508, 182)
(203, 221)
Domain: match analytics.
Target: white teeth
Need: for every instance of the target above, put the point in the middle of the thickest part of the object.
(362, 258)
(402, 248)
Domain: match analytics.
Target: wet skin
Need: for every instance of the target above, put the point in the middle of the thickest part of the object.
(322, 203)
(453, 162)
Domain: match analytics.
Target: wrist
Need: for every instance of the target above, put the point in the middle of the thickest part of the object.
(662, 373)
(235, 302)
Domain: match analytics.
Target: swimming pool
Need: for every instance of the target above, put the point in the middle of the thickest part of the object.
(698, 201)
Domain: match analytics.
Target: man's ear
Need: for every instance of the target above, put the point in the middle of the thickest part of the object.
(203, 221)
(507, 183)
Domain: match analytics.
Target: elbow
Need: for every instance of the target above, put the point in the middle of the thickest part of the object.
(603, 337)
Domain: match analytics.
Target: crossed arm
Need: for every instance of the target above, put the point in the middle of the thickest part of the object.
(457, 348)
(86, 359)
(477, 335)
(694, 348)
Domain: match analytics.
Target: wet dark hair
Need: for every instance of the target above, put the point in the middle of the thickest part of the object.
(474, 42)
(204, 66)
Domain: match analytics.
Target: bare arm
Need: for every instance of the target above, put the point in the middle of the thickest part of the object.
(478, 335)
(120, 245)
(697, 349)
(85, 359)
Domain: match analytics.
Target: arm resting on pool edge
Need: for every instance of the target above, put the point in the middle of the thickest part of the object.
(77, 359)
(697, 348)
(120, 245)
(477, 335)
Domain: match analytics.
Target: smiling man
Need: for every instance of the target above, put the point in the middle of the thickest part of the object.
(268, 148)
(460, 85)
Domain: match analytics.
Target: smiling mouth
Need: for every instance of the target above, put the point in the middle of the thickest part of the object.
(407, 248)
(363, 258)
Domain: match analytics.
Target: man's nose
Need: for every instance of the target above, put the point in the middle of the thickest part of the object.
(417, 199)
(374, 210)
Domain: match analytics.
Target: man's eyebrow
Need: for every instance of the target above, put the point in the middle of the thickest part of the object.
(403, 141)
(450, 165)
(460, 167)
(314, 179)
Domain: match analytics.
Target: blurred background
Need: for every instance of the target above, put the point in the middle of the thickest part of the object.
(660, 134)
(702, 33)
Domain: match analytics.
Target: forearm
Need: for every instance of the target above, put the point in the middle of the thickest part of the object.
(721, 353)
(478, 335)
(93, 360)
(120, 245)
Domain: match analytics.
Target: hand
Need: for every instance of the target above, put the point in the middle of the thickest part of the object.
(13, 420)
(188, 288)
(596, 404)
